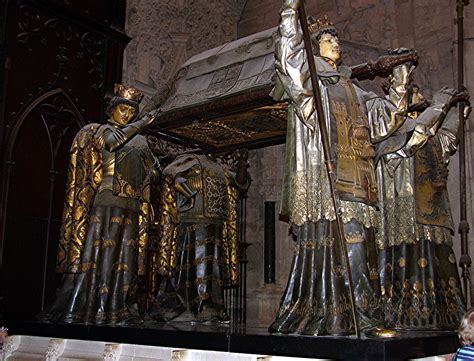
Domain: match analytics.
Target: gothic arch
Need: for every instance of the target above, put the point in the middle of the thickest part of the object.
(58, 116)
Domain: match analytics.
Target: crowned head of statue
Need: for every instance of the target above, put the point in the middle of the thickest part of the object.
(325, 37)
(123, 107)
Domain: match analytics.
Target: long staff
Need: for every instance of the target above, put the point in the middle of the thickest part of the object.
(330, 165)
(465, 260)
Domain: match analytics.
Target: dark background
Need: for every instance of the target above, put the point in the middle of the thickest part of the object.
(59, 60)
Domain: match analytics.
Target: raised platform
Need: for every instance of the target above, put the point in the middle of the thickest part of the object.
(252, 340)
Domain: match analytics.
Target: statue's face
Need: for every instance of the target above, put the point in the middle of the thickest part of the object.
(329, 47)
(123, 113)
(401, 74)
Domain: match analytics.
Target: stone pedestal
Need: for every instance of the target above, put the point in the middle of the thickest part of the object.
(180, 341)
(267, 302)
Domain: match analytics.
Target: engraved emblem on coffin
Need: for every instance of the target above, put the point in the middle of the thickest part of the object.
(224, 80)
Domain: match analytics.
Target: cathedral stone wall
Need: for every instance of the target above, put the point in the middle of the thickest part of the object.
(166, 33)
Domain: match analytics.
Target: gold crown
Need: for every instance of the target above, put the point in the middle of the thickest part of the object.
(319, 25)
(131, 93)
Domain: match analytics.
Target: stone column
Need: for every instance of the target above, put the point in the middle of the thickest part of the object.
(266, 170)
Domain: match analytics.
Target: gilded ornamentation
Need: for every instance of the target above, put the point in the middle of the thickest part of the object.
(128, 93)
(247, 127)
(122, 188)
(320, 25)
(374, 273)
(120, 267)
(108, 243)
(432, 204)
(86, 266)
(86, 173)
(317, 205)
(216, 196)
(144, 221)
(307, 244)
(422, 262)
(355, 152)
(354, 237)
(401, 262)
(168, 222)
(231, 235)
(327, 241)
(406, 229)
(410, 304)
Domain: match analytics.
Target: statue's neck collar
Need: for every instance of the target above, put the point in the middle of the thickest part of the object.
(334, 64)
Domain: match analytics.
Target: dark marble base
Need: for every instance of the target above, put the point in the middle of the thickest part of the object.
(252, 340)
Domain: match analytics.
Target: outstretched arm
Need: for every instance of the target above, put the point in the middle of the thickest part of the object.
(439, 117)
(115, 138)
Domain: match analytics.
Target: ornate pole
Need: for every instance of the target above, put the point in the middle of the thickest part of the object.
(465, 261)
(330, 166)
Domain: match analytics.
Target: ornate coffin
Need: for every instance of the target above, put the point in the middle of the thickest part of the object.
(221, 99)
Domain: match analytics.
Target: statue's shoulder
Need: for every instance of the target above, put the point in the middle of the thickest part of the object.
(86, 134)
(91, 128)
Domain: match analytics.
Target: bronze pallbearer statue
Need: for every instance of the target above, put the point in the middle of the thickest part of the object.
(330, 193)
(198, 257)
(106, 216)
(420, 282)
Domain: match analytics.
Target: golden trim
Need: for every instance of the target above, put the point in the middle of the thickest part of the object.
(401, 262)
(422, 262)
(354, 237)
